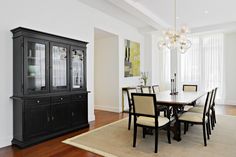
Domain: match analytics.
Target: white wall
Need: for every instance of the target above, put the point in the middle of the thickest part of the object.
(230, 68)
(66, 18)
(106, 79)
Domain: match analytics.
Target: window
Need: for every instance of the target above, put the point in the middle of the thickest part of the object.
(203, 63)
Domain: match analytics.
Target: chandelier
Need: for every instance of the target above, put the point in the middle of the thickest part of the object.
(176, 40)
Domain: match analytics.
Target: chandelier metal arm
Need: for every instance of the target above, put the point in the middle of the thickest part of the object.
(176, 39)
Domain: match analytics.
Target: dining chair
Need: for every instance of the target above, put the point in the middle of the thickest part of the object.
(155, 88)
(146, 115)
(189, 88)
(130, 111)
(199, 118)
(146, 89)
(213, 113)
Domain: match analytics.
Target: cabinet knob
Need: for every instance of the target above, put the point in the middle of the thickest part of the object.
(38, 101)
(61, 98)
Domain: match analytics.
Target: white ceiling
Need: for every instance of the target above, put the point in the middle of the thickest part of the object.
(158, 14)
(110, 9)
(192, 12)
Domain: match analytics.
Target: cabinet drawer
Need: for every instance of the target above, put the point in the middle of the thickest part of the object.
(79, 97)
(37, 101)
(61, 99)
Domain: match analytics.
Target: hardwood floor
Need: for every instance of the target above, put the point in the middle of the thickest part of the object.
(55, 148)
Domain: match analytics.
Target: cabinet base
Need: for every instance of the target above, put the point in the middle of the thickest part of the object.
(36, 140)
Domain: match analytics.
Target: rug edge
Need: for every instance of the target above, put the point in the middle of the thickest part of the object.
(87, 148)
(93, 130)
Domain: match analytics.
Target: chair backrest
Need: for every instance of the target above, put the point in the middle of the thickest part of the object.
(207, 103)
(145, 89)
(189, 88)
(155, 89)
(214, 98)
(144, 104)
(129, 92)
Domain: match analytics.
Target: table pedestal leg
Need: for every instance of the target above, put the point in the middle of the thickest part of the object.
(176, 128)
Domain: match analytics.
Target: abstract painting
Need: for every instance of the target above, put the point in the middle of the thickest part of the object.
(132, 58)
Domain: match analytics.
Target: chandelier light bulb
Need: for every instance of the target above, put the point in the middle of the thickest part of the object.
(176, 39)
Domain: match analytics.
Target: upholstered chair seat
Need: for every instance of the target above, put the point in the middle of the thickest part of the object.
(192, 117)
(197, 109)
(150, 121)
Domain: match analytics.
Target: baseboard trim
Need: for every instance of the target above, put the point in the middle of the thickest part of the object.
(106, 108)
(228, 102)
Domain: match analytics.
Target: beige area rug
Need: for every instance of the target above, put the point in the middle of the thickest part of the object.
(114, 140)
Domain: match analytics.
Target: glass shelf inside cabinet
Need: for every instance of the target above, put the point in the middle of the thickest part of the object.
(36, 67)
(59, 65)
(77, 68)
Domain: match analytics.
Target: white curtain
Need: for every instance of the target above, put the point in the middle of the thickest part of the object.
(165, 70)
(202, 64)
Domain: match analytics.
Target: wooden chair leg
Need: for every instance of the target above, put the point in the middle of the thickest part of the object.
(135, 135)
(168, 133)
(204, 133)
(212, 122)
(144, 132)
(129, 122)
(209, 125)
(185, 127)
(179, 128)
(207, 129)
(156, 140)
(214, 113)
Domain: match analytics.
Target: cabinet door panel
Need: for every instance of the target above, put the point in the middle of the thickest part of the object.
(37, 119)
(78, 68)
(36, 66)
(59, 67)
(79, 112)
(59, 116)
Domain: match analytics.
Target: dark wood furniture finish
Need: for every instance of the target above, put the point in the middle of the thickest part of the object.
(176, 102)
(149, 112)
(129, 92)
(61, 149)
(203, 120)
(213, 112)
(49, 86)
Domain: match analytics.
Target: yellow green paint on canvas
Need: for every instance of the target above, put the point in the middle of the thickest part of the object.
(132, 58)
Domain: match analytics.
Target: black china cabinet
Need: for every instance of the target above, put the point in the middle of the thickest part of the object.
(49, 86)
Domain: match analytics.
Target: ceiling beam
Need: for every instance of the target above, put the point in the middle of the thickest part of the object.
(138, 10)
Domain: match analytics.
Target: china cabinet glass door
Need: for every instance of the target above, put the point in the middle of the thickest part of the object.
(59, 67)
(77, 68)
(36, 71)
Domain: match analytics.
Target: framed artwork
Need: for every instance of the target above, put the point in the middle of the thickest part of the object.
(132, 59)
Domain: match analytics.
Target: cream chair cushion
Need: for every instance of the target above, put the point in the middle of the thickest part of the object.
(192, 117)
(146, 90)
(149, 121)
(144, 105)
(190, 88)
(197, 109)
(187, 107)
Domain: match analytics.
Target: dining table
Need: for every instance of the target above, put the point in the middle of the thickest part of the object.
(176, 102)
